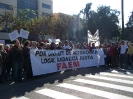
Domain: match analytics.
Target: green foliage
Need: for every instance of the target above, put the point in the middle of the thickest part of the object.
(105, 19)
(129, 29)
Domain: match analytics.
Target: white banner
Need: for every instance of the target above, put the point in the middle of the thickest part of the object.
(44, 62)
(24, 34)
(14, 35)
(94, 39)
(56, 41)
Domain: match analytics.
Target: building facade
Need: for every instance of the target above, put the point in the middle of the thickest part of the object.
(6, 4)
(42, 6)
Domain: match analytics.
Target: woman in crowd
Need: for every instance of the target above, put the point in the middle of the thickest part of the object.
(27, 62)
(18, 59)
(4, 55)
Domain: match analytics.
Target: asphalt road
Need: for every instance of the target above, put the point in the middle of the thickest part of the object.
(86, 83)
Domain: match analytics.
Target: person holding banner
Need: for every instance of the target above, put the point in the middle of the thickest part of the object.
(66, 46)
(53, 46)
(59, 47)
(34, 45)
(18, 59)
(42, 45)
(27, 62)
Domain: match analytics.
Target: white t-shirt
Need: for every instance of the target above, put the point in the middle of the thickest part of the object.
(66, 47)
(123, 49)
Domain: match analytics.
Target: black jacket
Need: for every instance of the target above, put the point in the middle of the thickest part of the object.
(3, 56)
(17, 55)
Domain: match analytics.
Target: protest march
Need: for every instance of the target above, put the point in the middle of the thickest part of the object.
(39, 58)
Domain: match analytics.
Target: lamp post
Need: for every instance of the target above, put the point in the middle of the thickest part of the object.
(122, 13)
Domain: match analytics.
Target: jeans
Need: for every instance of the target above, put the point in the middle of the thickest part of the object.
(17, 71)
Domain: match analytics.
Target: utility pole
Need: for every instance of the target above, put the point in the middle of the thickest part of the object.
(122, 13)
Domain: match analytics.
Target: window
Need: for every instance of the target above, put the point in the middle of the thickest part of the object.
(46, 6)
(27, 4)
(5, 6)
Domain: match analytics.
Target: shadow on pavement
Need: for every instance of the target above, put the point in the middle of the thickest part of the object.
(8, 91)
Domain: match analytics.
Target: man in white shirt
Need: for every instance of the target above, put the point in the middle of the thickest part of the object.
(66, 46)
(123, 50)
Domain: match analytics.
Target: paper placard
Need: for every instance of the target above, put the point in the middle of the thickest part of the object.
(14, 35)
(24, 34)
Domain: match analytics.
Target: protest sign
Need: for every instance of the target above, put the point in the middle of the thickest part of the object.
(56, 41)
(24, 34)
(14, 35)
(2, 41)
(44, 61)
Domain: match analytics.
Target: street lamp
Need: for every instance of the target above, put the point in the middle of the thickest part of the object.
(122, 13)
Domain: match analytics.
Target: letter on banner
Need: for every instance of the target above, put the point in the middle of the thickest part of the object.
(14, 35)
(24, 34)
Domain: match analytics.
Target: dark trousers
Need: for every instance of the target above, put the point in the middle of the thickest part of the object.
(17, 71)
(123, 62)
(129, 59)
(113, 61)
(4, 72)
(28, 68)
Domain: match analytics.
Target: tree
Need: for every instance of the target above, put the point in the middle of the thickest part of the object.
(6, 20)
(129, 28)
(105, 19)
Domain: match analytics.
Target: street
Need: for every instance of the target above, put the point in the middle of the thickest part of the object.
(85, 83)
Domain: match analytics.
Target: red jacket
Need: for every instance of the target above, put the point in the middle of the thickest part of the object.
(112, 51)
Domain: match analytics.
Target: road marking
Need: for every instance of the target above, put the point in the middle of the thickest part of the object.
(20, 97)
(117, 71)
(56, 94)
(107, 85)
(94, 91)
(110, 79)
(116, 75)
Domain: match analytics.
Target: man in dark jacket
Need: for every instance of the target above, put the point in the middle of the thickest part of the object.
(17, 56)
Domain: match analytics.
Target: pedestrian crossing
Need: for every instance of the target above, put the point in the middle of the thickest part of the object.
(83, 85)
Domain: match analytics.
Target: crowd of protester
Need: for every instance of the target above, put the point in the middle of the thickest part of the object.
(15, 58)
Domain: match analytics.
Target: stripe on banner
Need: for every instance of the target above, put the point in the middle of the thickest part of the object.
(111, 79)
(96, 92)
(107, 85)
(56, 94)
(117, 75)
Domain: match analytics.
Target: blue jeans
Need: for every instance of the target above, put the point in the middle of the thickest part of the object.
(17, 71)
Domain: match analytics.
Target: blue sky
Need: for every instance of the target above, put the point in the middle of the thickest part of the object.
(74, 6)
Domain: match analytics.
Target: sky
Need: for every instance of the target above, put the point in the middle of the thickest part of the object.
(74, 6)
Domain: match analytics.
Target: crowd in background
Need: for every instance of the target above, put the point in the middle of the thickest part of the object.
(15, 58)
